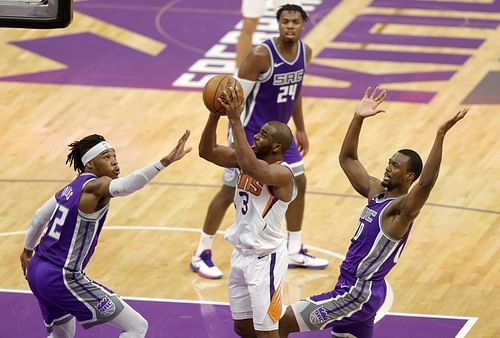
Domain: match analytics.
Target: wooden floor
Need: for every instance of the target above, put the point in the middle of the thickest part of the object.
(451, 265)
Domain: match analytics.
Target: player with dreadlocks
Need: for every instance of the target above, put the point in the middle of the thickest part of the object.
(74, 217)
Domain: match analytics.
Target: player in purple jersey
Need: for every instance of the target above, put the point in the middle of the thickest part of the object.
(384, 225)
(265, 188)
(74, 217)
(271, 77)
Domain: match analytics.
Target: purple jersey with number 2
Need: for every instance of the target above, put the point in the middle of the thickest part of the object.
(71, 236)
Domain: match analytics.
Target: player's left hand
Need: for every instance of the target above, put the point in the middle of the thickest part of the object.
(25, 260)
(452, 121)
(230, 103)
(302, 142)
(370, 102)
(178, 152)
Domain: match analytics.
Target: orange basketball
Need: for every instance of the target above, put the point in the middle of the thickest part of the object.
(213, 90)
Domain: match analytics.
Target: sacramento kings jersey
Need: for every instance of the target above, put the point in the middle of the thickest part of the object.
(259, 215)
(275, 93)
(71, 236)
(372, 254)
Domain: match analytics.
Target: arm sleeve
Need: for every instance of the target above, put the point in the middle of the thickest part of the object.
(38, 222)
(138, 179)
(247, 86)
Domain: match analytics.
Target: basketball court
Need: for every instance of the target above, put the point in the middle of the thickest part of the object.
(133, 72)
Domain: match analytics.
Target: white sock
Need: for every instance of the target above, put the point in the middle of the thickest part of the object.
(294, 241)
(205, 243)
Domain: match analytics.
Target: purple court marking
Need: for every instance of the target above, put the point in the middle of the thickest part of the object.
(200, 40)
(20, 317)
(486, 92)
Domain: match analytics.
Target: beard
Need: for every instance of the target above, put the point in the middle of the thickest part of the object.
(262, 151)
(388, 185)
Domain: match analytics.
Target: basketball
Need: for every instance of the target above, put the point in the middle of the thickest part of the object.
(213, 90)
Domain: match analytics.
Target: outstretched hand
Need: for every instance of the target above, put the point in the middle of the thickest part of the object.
(451, 122)
(178, 152)
(231, 103)
(370, 102)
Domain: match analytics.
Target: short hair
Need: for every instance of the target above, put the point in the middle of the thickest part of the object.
(414, 163)
(79, 148)
(292, 8)
(281, 134)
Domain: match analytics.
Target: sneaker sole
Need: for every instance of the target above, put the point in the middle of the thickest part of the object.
(298, 266)
(202, 275)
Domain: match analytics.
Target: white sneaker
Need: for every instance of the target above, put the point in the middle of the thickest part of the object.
(304, 260)
(204, 266)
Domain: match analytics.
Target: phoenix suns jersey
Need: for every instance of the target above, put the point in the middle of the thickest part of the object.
(259, 216)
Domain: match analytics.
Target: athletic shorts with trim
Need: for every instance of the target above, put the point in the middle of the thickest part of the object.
(256, 287)
(62, 294)
(348, 310)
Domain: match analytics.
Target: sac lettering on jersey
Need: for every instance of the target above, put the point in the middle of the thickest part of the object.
(368, 214)
(288, 78)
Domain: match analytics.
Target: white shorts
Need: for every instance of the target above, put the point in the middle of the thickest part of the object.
(256, 287)
(257, 8)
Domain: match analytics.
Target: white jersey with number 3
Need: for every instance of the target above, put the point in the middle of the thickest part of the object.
(259, 216)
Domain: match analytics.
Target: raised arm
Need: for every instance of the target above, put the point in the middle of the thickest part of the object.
(275, 174)
(411, 203)
(211, 151)
(363, 183)
(97, 192)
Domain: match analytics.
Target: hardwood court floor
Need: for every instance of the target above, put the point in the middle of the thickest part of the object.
(450, 265)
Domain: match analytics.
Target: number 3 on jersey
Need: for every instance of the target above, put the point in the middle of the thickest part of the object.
(59, 217)
(286, 91)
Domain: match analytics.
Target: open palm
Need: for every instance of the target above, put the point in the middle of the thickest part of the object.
(370, 102)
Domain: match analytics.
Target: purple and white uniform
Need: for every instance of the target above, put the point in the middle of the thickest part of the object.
(55, 273)
(350, 308)
(275, 94)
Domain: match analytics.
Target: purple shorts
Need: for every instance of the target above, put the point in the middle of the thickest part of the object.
(62, 294)
(350, 308)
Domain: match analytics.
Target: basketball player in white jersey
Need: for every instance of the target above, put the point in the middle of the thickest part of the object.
(271, 77)
(265, 188)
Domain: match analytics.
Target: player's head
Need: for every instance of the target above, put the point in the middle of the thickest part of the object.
(93, 154)
(291, 20)
(273, 139)
(403, 169)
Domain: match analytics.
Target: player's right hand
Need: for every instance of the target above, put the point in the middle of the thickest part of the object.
(231, 104)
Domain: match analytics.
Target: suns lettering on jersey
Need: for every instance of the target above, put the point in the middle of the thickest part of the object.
(249, 184)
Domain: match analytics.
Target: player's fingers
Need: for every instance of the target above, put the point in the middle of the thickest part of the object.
(367, 92)
(381, 96)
